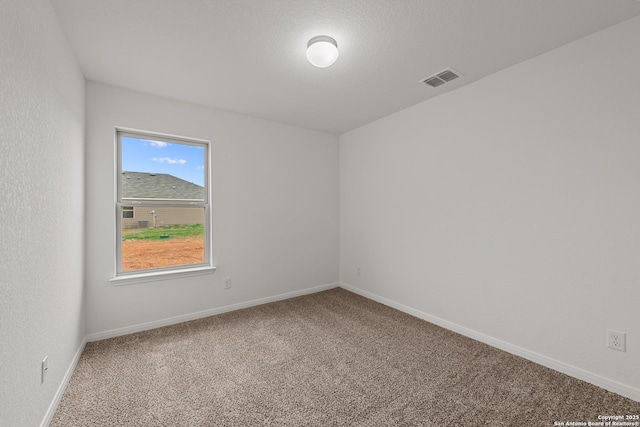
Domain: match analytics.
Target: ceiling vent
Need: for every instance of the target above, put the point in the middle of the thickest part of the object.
(441, 78)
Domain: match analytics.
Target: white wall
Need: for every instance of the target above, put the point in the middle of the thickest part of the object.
(275, 209)
(42, 209)
(511, 207)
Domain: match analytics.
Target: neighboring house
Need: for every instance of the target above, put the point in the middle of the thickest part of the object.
(159, 187)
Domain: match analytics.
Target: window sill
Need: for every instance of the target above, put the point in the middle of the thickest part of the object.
(130, 279)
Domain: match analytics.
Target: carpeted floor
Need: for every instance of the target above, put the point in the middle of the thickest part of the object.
(326, 359)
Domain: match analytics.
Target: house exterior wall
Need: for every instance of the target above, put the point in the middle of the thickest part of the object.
(164, 216)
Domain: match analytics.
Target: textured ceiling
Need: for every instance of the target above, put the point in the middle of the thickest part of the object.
(248, 56)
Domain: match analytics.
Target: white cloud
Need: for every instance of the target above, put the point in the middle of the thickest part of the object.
(169, 160)
(159, 144)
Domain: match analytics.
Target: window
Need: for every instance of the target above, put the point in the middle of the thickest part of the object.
(162, 203)
(127, 212)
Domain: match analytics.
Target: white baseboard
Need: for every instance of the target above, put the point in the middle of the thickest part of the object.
(205, 313)
(53, 406)
(565, 368)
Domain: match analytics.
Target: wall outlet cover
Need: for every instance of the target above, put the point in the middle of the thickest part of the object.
(617, 340)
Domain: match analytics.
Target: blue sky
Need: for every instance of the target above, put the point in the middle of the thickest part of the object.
(156, 156)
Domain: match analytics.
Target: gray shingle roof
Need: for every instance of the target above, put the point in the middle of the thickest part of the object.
(145, 185)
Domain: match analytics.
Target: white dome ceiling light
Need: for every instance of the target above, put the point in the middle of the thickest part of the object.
(322, 51)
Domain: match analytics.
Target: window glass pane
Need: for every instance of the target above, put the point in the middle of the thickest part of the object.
(163, 237)
(163, 201)
(127, 212)
(161, 170)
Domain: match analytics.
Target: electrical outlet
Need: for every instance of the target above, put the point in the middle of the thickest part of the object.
(617, 340)
(358, 270)
(227, 282)
(44, 368)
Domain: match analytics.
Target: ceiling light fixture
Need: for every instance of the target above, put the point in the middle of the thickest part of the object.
(322, 51)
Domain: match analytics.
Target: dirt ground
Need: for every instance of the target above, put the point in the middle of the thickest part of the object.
(141, 254)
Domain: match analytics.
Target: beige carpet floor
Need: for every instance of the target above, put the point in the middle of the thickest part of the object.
(326, 359)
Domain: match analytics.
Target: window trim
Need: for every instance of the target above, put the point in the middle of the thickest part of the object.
(152, 276)
(207, 266)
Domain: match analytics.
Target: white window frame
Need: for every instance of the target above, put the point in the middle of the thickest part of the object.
(207, 266)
